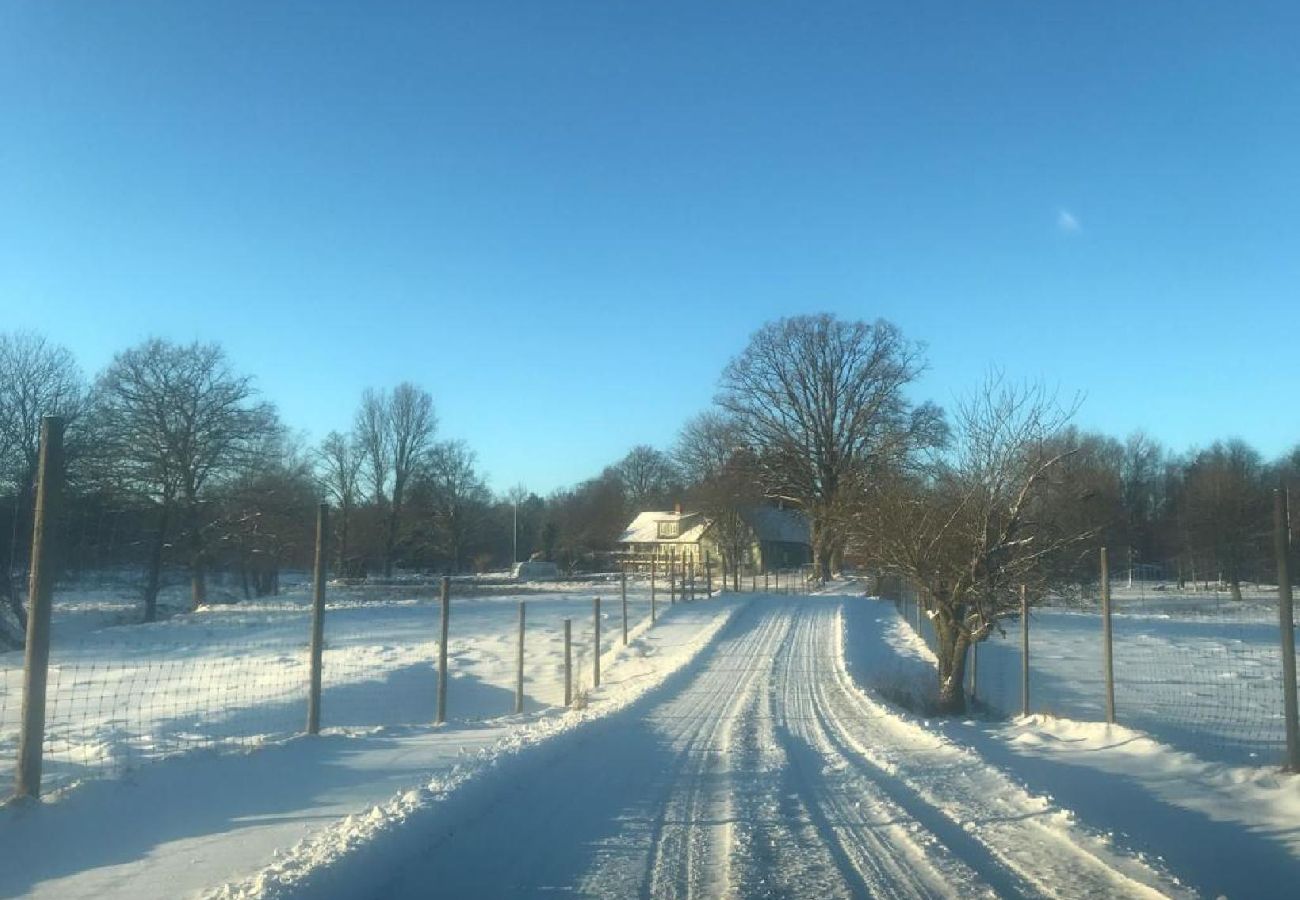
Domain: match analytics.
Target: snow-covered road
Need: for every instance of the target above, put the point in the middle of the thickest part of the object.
(761, 770)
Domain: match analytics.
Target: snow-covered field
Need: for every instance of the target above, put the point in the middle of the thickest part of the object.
(235, 676)
(1224, 830)
(760, 769)
(1195, 670)
(738, 748)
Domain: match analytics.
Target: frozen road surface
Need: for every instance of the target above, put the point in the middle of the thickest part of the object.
(758, 770)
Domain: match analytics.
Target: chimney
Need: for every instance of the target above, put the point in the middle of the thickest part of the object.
(677, 507)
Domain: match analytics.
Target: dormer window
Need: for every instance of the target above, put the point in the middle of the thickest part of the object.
(669, 530)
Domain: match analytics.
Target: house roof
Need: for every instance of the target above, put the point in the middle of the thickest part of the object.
(769, 524)
(645, 528)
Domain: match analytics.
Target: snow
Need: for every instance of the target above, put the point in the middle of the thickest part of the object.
(1227, 830)
(1196, 671)
(743, 746)
(201, 819)
(760, 768)
(235, 676)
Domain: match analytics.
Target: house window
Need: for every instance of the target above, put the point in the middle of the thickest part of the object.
(668, 530)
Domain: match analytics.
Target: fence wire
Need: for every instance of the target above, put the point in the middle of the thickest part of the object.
(235, 675)
(1193, 669)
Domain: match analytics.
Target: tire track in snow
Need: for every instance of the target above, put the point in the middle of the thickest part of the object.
(880, 850)
(944, 785)
(694, 834)
(767, 773)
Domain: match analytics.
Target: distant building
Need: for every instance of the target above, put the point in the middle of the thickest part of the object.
(535, 570)
(777, 538)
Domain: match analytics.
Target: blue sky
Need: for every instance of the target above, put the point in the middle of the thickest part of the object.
(563, 218)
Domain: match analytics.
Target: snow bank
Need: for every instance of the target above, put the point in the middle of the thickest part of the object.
(325, 864)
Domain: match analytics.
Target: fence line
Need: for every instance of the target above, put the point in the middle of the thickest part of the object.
(239, 674)
(1206, 679)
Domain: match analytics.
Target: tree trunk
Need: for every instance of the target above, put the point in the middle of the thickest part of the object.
(198, 574)
(341, 565)
(153, 578)
(390, 539)
(953, 643)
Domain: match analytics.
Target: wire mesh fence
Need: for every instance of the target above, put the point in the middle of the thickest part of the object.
(1194, 669)
(235, 675)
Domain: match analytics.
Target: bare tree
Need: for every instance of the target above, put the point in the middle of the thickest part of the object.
(1225, 501)
(172, 420)
(973, 526)
(372, 435)
(37, 379)
(721, 470)
(821, 401)
(266, 518)
(648, 475)
(338, 464)
(706, 444)
(395, 432)
(458, 495)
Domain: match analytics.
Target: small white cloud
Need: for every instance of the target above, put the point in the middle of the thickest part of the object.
(1068, 222)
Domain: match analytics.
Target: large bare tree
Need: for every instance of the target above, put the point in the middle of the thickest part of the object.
(649, 477)
(720, 470)
(171, 421)
(822, 403)
(338, 466)
(458, 496)
(395, 431)
(37, 379)
(976, 523)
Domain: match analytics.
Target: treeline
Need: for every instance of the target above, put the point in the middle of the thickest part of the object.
(972, 506)
(178, 466)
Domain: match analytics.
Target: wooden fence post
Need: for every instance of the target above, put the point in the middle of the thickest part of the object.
(653, 611)
(595, 657)
(317, 619)
(568, 662)
(623, 590)
(654, 558)
(442, 652)
(1024, 651)
(1286, 622)
(672, 581)
(519, 667)
(1108, 661)
(40, 594)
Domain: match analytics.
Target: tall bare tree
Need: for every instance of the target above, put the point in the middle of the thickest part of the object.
(973, 526)
(720, 470)
(338, 465)
(458, 496)
(372, 435)
(821, 401)
(171, 421)
(395, 431)
(648, 475)
(37, 379)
